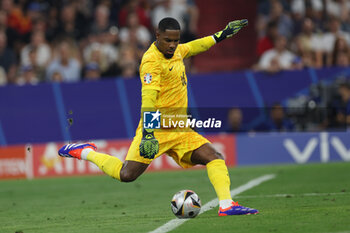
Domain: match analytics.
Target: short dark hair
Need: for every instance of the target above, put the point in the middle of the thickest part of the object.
(168, 24)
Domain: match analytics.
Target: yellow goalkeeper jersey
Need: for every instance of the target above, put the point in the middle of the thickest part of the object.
(168, 76)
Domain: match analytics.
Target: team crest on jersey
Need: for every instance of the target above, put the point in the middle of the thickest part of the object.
(147, 79)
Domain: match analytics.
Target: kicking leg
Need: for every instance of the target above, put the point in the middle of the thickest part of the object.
(217, 171)
(219, 177)
(131, 170)
(112, 166)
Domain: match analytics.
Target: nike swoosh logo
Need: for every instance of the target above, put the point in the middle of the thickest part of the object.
(170, 69)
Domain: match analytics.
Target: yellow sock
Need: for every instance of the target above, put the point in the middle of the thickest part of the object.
(219, 178)
(108, 164)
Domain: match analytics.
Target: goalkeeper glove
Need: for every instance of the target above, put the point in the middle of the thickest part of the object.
(149, 145)
(232, 28)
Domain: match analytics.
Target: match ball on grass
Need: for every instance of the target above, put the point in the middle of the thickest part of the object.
(186, 204)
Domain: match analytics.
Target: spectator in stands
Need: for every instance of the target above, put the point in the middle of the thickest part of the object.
(128, 62)
(27, 76)
(43, 51)
(278, 122)
(285, 23)
(338, 8)
(10, 33)
(84, 11)
(185, 12)
(104, 54)
(39, 24)
(114, 7)
(278, 58)
(34, 11)
(109, 41)
(301, 9)
(56, 76)
(101, 21)
(67, 26)
(17, 19)
(340, 51)
(304, 60)
(94, 54)
(83, 17)
(265, 43)
(306, 39)
(264, 8)
(38, 71)
(135, 33)
(92, 71)
(7, 58)
(235, 121)
(265, 5)
(343, 113)
(103, 37)
(52, 23)
(329, 38)
(7, 6)
(345, 15)
(66, 64)
(308, 45)
(134, 6)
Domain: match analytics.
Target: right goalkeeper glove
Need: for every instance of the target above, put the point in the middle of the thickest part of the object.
(149, 145)
(232, 28)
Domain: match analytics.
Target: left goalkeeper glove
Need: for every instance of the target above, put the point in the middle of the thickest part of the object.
(232, 28)
(149, 145)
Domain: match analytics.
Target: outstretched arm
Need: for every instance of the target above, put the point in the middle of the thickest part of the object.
(150, 77)
(149, 146)
(201, 45)
(232, 28)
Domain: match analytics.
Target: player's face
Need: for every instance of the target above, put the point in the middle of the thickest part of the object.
(167, 42)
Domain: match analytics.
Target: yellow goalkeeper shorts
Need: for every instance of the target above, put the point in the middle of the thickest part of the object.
(178, 145)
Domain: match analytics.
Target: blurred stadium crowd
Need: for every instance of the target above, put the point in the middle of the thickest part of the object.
(68, 41)
(43, 41)
(294, 34)
(299, 34)
(326, 108)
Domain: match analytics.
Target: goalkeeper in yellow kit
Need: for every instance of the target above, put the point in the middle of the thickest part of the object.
(164, 86)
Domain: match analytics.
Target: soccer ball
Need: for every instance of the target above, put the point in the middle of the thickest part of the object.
(185, 204)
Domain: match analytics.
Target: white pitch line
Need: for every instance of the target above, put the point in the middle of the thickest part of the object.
(292, 195)
(172, 224)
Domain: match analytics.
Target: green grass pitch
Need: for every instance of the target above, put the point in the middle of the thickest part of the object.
(317, 199)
